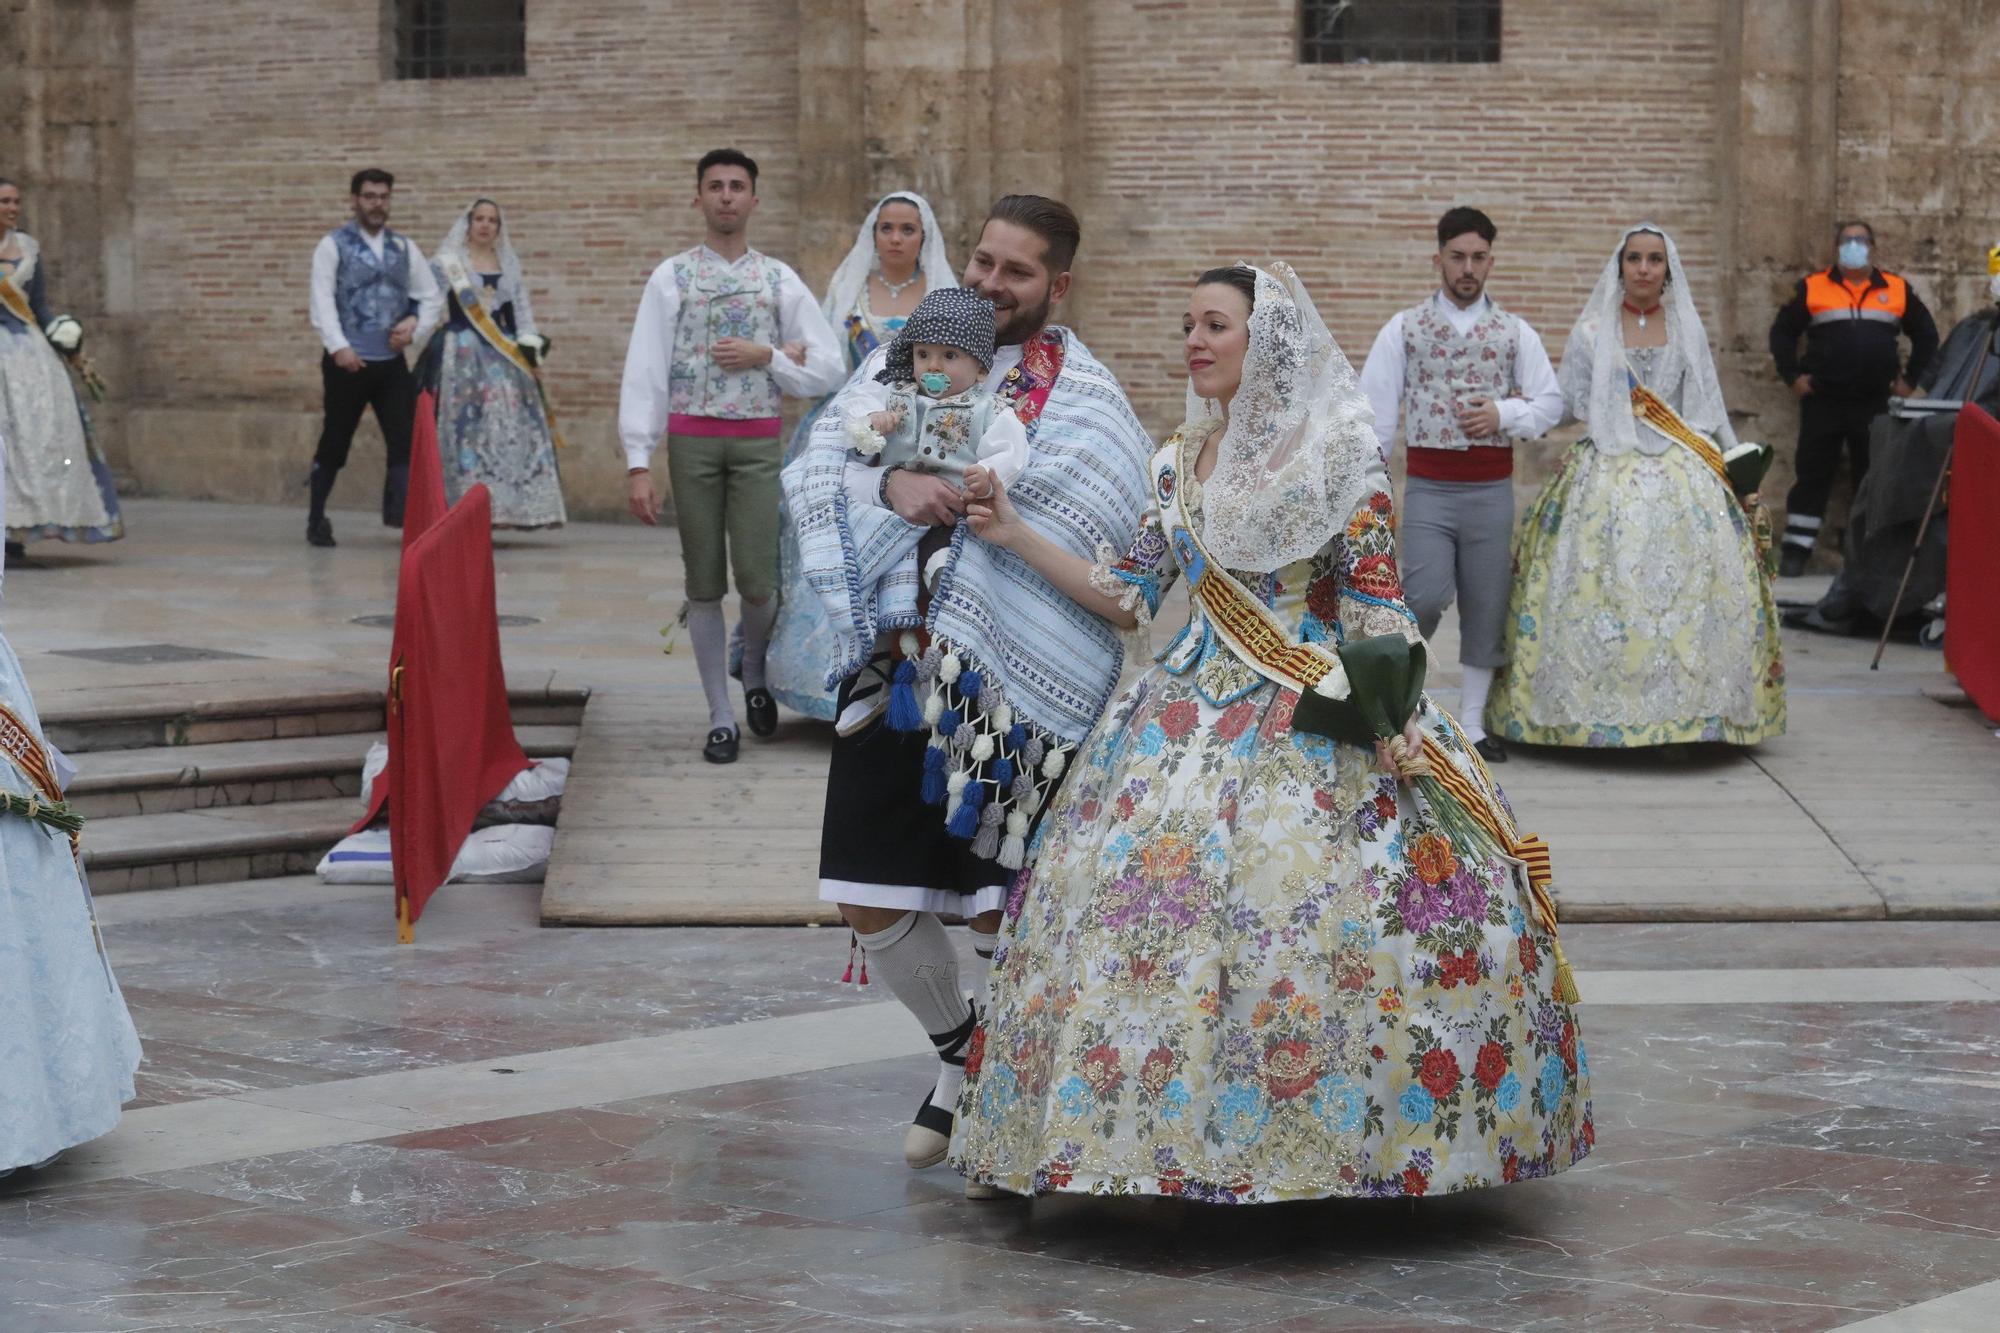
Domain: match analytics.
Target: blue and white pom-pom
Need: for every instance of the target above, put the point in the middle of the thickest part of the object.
(1014, 848)
(905, 713)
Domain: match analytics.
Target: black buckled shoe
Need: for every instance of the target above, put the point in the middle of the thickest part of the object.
(319, 532)
(1491, 750)
(721, 747)
(761, 711)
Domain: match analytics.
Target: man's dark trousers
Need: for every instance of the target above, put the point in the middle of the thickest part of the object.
(389, 388)
(1826, 426)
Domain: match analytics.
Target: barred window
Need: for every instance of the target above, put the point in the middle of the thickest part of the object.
(1377, 32)
(459, 39)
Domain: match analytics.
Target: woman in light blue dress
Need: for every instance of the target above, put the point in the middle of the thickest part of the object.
(67, 1046)
(897, 257)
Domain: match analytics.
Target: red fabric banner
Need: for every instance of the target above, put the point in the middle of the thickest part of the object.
(425, 504)
(1972, 560)
(451, 735)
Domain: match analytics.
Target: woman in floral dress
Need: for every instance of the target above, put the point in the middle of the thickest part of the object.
(493, 426)
(1642, 608)
(1247, 964)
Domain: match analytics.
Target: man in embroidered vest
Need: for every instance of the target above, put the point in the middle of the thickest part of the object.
(722, 332)
(998, 649)
(372, 296)
(1467, 379)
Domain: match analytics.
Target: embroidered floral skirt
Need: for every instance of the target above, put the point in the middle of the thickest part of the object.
(67, 1047)
(1640, 613)
(1245, 968)
(58, 484)
(492, 432)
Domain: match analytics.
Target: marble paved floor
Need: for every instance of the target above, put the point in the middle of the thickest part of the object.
(505, 1128)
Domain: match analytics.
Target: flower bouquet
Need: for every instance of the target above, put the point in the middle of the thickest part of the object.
(1747, 465)
(1385, 679)
(65, 334)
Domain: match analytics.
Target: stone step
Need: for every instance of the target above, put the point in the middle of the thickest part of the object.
(219, 843)
(130, 719)
(161, 779)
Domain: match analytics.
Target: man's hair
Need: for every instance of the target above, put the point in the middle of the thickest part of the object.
(725, 157)
(370, 176)
(1050, 219)
(1855, 222)
(1460, 220)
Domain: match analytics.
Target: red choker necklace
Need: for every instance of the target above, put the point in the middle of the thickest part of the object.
(1642, 314)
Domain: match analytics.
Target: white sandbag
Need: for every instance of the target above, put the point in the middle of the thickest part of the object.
(533, 797)
(359, 858)
(371, 768)
(504, 854)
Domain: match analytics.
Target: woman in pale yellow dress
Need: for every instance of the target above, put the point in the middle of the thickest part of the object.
(1642, 609)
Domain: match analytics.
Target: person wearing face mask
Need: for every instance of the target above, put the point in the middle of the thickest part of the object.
(1851, 316)
(1249, 963)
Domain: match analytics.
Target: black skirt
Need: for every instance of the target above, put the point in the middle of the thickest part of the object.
(878, 829)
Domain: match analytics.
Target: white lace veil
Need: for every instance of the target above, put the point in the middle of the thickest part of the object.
(845, 288)
(510, 263)
(1593, 374)
(1291, 463)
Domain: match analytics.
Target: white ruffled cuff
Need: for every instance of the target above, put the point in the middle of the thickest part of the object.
(1130, 597)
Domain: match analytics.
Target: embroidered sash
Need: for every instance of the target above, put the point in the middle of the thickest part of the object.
(1255, 634)
(32, 758)
(1246, 626)
(1652, 410)
(16, 302)
(471, 300)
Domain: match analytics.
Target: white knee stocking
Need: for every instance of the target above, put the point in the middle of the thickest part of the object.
(1472, 701)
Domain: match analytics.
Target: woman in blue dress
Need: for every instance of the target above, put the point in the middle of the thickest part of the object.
(897, 257)
(57, 482)
(493, 426)
(67, 1046)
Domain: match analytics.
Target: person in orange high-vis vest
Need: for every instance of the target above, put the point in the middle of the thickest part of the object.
(1850, 316)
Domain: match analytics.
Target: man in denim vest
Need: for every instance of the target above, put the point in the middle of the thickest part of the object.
(372, 296)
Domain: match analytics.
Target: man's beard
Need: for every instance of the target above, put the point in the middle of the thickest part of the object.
(1021, 323)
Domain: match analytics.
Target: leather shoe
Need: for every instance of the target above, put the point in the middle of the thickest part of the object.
(1490, 750)
(319, 532)
(761, 711)
(1792, 561)
(721, 747)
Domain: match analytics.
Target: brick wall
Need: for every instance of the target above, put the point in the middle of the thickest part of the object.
(1207, 142)
(1187, 134)
(255, 113)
